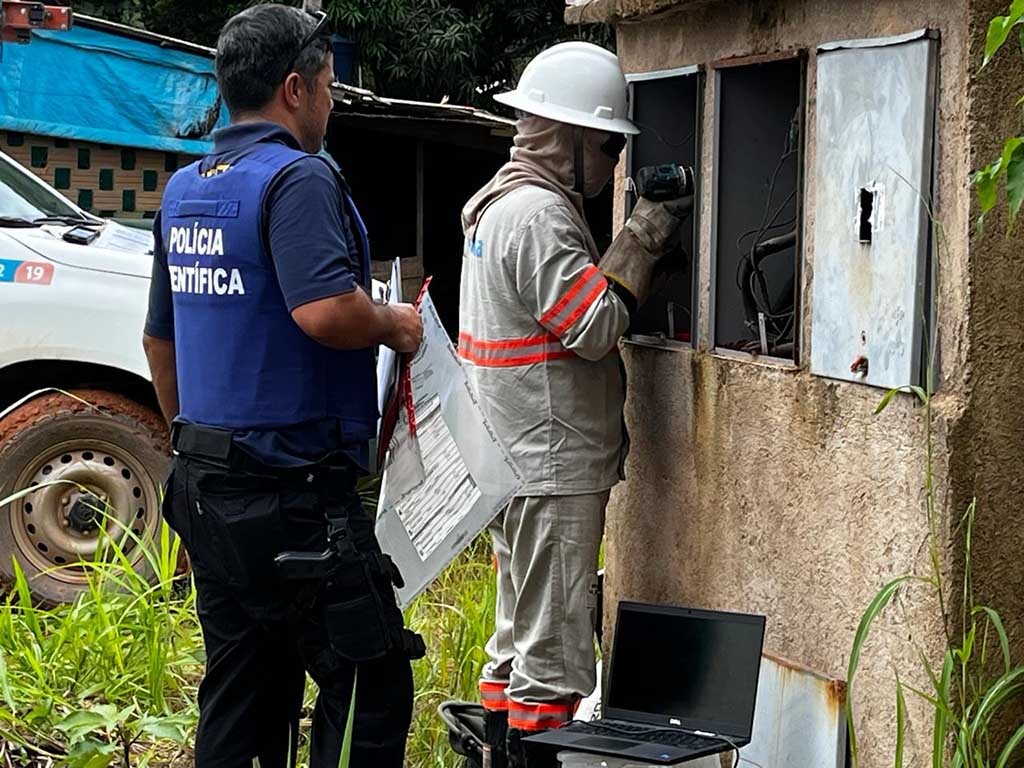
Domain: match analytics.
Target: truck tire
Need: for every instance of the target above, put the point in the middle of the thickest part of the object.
(113, 447)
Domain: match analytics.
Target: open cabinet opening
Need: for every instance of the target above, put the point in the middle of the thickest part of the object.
(758, 207)
(666, 107)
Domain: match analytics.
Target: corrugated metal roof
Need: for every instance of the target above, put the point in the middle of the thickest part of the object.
(347, 97)
(124, 30)
(352, 99)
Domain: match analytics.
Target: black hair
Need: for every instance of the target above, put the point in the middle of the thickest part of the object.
(259, 47)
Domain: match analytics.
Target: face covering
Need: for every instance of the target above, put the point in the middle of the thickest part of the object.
(600, 155)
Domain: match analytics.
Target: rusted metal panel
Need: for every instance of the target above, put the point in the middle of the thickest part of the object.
(876, 109)
(799, 718)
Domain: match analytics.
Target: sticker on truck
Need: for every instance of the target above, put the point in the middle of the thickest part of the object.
(33, 272)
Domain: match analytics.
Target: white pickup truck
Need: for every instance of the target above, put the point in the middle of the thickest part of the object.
(76, 401)
(73, 297)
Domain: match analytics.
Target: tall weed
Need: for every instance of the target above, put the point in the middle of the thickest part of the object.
(111, 679)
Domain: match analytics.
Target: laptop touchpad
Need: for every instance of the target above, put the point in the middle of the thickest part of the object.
(599, 742)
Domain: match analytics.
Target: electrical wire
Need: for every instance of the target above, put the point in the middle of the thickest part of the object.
(749, 232)
(739, 759)
(662, 139)
(757, 277)
(761, 232)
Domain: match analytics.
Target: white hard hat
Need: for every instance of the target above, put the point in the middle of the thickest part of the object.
(575, 83)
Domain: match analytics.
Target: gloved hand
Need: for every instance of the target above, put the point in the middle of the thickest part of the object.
(655, 224)
(647, 236)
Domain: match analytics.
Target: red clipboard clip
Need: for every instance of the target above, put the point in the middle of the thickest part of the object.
(402, 396)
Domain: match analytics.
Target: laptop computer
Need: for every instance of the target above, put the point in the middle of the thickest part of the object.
(682, 685)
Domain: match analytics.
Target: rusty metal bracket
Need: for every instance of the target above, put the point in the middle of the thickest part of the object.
(19, 18)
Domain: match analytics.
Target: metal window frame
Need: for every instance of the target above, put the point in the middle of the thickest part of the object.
(802, 55)
(632, 79)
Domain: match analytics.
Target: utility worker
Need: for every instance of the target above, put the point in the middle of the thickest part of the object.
(540, 318)
(260, 339)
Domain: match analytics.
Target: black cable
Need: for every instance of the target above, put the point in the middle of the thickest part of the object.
(764, 304)
(749, 232)
(764, 218)
(662, 139)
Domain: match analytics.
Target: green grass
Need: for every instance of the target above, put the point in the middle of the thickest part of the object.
(111, 679)
(456, 617)
(108, 679)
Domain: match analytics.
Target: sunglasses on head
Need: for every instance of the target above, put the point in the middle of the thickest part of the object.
(317, 33)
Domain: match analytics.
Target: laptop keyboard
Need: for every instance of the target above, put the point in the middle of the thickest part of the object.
(645, 733)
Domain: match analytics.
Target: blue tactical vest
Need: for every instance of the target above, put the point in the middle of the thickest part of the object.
(242, 362)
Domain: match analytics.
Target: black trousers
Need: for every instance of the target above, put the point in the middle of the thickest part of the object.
(262, 633)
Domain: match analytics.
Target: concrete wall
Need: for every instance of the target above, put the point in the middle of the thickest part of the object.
(760, 488)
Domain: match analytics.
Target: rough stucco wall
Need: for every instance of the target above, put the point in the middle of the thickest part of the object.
(988, 444)
(761, 489)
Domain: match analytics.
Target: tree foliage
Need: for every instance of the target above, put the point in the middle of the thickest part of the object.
(1008, 168)
(462, 50)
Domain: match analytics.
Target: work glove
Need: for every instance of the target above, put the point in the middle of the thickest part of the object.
(648, 235)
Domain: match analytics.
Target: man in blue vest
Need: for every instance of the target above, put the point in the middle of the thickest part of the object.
(260, 339)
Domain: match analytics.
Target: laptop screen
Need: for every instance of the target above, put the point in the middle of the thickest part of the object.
(687, 667)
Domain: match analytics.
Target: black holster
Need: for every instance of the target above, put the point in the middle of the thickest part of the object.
(360, 611)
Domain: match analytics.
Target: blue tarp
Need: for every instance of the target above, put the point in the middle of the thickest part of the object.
(98, 86)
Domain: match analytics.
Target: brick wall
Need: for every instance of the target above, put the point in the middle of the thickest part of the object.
(108, 181)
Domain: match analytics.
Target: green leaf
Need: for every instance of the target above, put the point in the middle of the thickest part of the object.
(942, 694)
(877, 605)
(346, 744)
(964, 653)
(1009, 149)
(999, 30)
(1002, 690)
(986, 184)
(25, 599)
(886, 400)
(1011, 747)
(91, 754)
(41, 712)
(80, 724)
(997, 622)
(29, 491)
(5, 684)
(901, 722)
(1015, 179)
(170, 728)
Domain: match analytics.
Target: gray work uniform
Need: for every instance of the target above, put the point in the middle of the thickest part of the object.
(539, 328)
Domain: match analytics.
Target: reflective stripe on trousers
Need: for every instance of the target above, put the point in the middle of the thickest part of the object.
(543, 647)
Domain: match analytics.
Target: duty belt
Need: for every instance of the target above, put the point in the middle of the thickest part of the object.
(216, 446)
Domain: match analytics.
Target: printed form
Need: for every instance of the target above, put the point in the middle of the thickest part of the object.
(443, 487)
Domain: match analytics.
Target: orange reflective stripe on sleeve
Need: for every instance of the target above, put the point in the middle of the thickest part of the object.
(578, 299)
(507, 353)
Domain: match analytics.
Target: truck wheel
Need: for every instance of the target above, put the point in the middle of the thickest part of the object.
(112, 447)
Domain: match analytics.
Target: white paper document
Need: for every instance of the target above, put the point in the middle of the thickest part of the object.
(425, 521)
(387, 361)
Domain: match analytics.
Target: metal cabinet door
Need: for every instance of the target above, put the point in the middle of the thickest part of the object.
(875, 126)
